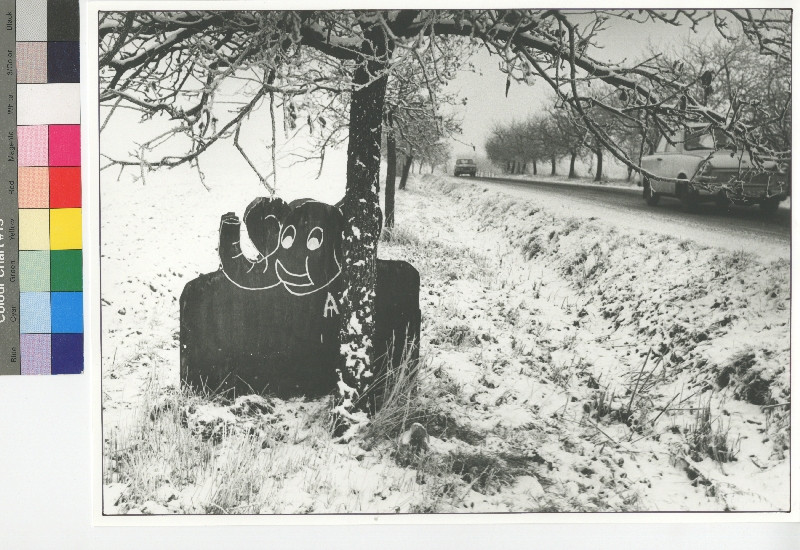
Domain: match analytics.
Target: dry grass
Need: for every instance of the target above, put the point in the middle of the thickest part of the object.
(708, 436)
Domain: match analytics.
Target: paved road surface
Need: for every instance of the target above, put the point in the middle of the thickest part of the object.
(738, 228)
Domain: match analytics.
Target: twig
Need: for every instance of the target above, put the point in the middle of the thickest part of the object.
(274, 166)
(596, 427)
(636, 387)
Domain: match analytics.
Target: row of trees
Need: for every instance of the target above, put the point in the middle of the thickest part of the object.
(731, 77)
(542, 139)
(176, 65)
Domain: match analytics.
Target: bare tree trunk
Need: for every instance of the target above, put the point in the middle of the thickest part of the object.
(553, 166)
(361, 211)
(406, 169)
(599, 174)
(572, 156)
(534, 167)
(391, 174)
(630, 173)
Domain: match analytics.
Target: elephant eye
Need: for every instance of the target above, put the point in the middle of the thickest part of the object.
(288, 237)
(314, 240)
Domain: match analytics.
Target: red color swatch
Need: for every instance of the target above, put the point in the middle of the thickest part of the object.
(65, 145)
(65, 187)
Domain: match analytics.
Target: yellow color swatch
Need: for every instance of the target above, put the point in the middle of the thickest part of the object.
(33, 229)
(65, 229)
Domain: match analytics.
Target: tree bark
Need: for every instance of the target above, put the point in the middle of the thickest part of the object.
(572, 164)
(406, 169)
(391, 174)
(534, 167)
(552, 166)
(599, 174)
(362, 215)
(630, 173)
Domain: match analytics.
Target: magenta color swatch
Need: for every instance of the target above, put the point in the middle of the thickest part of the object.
(65, 145)
(35, 353)
(32, 141)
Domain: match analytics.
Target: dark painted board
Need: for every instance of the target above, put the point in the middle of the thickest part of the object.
(271, 324)
(273, 342)
(266, 341)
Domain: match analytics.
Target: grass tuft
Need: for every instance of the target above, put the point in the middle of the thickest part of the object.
(709, 437)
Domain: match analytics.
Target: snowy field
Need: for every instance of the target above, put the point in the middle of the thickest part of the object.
(569, 365)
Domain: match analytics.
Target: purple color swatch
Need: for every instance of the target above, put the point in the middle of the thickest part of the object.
(35, 353)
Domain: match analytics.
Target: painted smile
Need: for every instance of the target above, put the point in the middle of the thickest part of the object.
(293, 279)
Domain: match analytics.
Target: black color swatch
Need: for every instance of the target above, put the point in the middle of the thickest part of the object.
(63, 20)
(63, 62)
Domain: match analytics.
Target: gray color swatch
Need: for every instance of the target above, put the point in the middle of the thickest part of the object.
(32, 20)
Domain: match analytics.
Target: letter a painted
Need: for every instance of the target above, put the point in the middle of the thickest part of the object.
(330, 307)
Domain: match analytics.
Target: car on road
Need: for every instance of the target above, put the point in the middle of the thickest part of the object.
(711, 169)
(465, 166)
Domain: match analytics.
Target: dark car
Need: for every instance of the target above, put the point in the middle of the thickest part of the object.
(465, 166)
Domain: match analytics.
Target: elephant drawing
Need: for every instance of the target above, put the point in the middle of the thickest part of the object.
(268, 322)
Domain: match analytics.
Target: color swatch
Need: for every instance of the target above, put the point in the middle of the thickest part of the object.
(41, 258)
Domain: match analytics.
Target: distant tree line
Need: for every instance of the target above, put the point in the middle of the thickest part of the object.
(542, 140)
(730, 76)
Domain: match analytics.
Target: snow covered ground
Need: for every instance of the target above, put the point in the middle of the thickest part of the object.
(714, 231)
(569, 364)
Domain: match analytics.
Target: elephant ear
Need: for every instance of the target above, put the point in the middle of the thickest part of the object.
(264, 220)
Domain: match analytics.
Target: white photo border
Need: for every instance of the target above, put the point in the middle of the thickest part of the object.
(92, 318)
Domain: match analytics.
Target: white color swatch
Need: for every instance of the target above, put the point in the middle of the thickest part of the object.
(48, 104)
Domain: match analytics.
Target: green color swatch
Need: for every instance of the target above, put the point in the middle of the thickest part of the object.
(66, 271)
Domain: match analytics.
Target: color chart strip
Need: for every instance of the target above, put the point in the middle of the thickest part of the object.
(44, 267)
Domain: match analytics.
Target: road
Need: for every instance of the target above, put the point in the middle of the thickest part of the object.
(736, 229)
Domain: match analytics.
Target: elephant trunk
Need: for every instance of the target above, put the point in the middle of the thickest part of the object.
(249, 274)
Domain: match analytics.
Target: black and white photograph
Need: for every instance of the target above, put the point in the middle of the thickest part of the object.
(532, 263)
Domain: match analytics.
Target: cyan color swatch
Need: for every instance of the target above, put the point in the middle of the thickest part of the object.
(66, 312)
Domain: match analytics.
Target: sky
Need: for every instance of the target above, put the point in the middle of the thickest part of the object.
(487, 104)
(484, 89)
